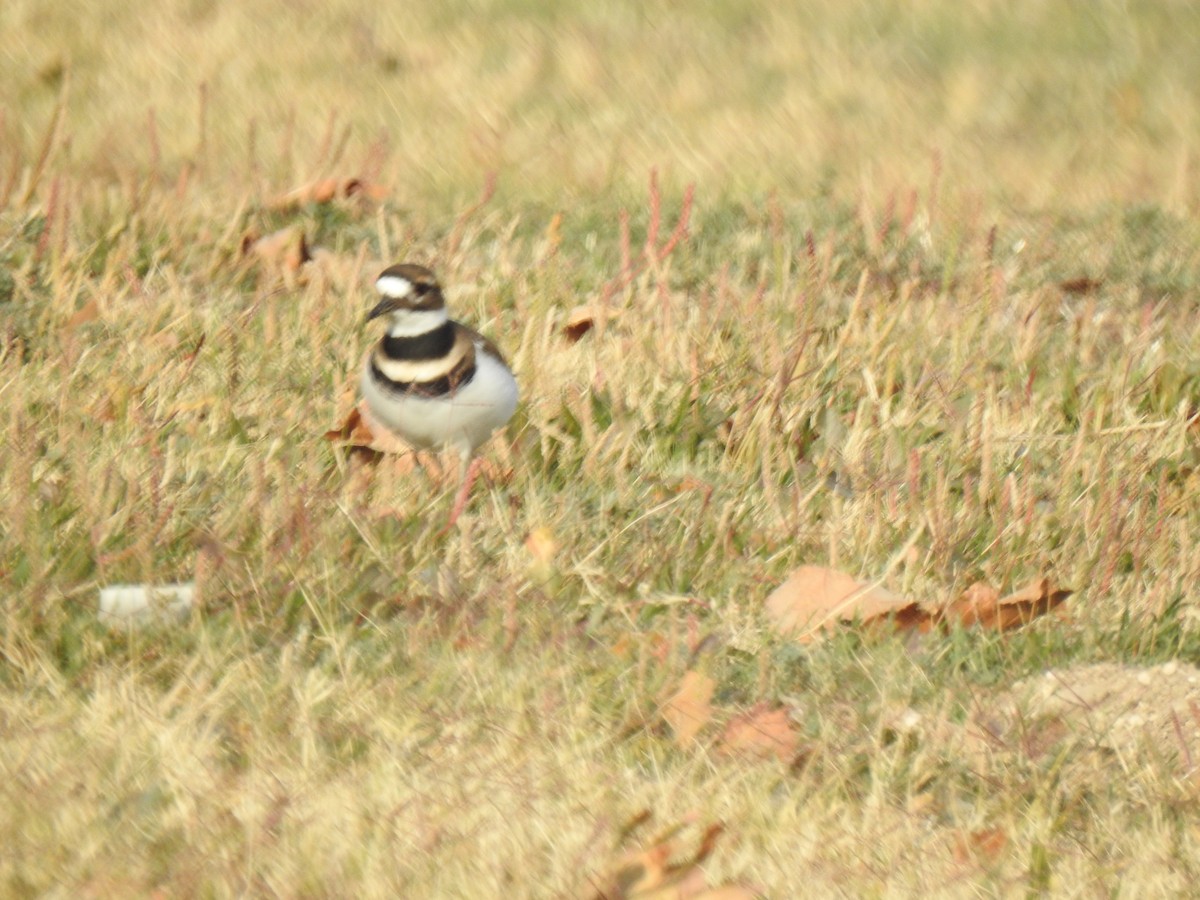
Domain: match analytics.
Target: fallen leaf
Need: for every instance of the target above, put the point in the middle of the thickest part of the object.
(103, 409)
(981, 604)
(814, 598)
(286, 248)
(1083, 285)
(354, 431)
(166, 339)
(650, 873)
(920, 803)
(988, 843)
(356, 437)
(579, 322)
(554, 234)
(636, 821)
(196, 404)
(979, 596)
(542, 546)
(691, 483)
(326, 190)
(582, 319)
(332, 265)
(760, 733)
(623, 647)
(89, 312)
(690, 708)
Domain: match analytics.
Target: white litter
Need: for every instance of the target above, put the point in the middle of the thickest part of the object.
(142, 604)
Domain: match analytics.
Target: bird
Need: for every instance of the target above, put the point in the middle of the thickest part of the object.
(432, 381)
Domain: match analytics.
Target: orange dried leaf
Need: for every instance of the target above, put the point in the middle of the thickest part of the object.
(196, 404)
(321, 191)
(637, 874)
(554, 233)
(690, 709)
(650, 874)
(708, 843)
(988, 843)
(982, 605)
(579, 322)
(760, 733)
(89, 312)
(814, 598)
(104, 409)
(541, 545)
(329, 262)
(166, 339)
(915, 617)
(1083, 285)
(623, 648)
(326, 190)
(286, 248)
(978, 603)
(372, 191)
(354, 431)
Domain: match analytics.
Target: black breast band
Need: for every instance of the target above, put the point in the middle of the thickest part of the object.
(431, 345)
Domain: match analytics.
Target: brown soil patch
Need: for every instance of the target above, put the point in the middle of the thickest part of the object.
(1123, 709)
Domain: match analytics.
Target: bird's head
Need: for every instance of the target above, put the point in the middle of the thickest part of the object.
(411, 296)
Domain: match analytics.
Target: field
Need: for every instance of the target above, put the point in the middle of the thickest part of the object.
(911, 292)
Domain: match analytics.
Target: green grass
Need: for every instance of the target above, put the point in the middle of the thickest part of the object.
(869, 333)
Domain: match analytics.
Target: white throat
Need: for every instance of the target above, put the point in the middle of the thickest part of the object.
(412, 322)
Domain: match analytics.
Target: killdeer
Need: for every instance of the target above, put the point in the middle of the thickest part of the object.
(430, 380)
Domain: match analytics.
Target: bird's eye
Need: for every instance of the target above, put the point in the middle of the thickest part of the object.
(421, 288)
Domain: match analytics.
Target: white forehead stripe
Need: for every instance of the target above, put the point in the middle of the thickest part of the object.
(393, 286)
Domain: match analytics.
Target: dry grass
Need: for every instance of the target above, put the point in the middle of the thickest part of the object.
(877, 328)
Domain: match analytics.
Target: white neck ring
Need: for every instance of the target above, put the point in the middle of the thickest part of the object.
(413, 322)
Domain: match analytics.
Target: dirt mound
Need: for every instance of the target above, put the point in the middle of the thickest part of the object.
(1124, 709)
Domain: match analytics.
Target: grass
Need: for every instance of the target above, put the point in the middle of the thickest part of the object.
(939, 279)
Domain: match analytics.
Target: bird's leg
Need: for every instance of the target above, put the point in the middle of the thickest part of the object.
(464, 490)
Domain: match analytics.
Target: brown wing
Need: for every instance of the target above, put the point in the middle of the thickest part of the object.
(488, 346)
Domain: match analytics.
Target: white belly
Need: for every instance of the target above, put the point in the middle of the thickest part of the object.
(462, 420)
